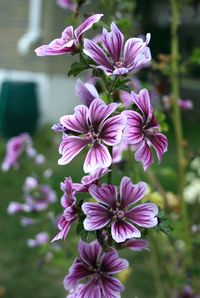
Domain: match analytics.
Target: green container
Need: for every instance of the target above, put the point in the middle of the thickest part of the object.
(18, 108)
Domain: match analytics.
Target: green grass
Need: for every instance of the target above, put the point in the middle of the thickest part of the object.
(21, 273)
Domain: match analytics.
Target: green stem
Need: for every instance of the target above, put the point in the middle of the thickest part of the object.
(109, 176)
(178, 125)
(156, 268)
(132, 167)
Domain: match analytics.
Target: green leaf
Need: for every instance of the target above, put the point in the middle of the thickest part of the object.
(164, 225)
(80, 229)
(121, 85)
(77, 67)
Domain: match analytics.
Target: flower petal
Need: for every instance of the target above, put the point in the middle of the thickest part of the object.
(77, 122)
(91, 289)
(144, 215)
(136, 244)
(89, 252)
(64, 227)
(111, 130)
(59, 46)
(76, 272)
(144, 155)
(111, 262)
(111, 287)
(131, 193)
(122, 230)
(142, 100)
(95, 52)
(133, 47)
(86, 92)
(113, 42)
(87, 24)
(120, 71)
(106, 194)
(142, 59)
(159, 142)
(97, 157)
(97, 216)
(99, 111)
(70, 147)
(133, 130)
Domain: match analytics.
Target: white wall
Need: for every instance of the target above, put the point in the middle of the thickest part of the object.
(56, 92)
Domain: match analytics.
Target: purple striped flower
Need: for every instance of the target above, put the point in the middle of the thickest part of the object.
(86, 92)
(91, 126)
(88, 180)
(68, 202)
(117, 58)
(119, 213)
(96, 268)
(143, 130)
(69, 40)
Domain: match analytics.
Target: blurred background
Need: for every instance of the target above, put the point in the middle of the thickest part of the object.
(36, 91)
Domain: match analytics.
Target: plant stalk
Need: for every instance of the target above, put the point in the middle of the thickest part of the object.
(177, 121)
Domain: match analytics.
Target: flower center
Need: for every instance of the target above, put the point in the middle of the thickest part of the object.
(97, 274)
(118, 214)
(150, 131)
(118, 64)
(93, 135)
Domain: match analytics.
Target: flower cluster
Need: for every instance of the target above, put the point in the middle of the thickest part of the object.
(16, 146)
(37, 197)
(104, 128)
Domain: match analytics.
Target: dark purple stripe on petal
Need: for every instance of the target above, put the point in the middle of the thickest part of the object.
(160, 143)
(86, 92)
(94, 51)
(122, 230)
(89, 252)
(111, 287)
(131, 193)
(142, 100)
(76, 272)
(70, 147)
(97, 216)
(97, 157)
(87, 24)
(144, 155)
(99, 112)
(113, 42)
(77, 122)
(136, 244)
(144, 215)
(106, 194)
(111, 130)
(112, 264)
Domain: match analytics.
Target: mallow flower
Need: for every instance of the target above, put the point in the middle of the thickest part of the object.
(68, 202)
(86, 92)
(91, 126)
(69, 40)
(143, 131)
(96, 268)
(116, 57)
(119, 212)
